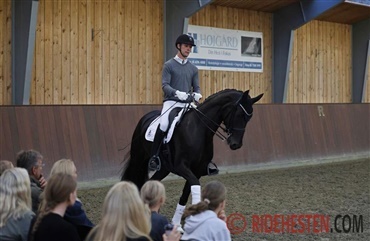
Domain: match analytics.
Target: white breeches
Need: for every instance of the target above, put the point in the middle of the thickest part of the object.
(166, 109)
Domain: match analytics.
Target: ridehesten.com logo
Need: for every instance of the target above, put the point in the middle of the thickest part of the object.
(295, 223)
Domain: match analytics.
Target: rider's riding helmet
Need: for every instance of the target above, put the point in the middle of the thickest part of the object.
(185, 39)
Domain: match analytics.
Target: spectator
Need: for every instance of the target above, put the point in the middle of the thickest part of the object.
(15, 201)
(124, 216)
(49, 224)
(32, 161)
(4, 165)
(74, 214)
(205, 221)
(153, 194)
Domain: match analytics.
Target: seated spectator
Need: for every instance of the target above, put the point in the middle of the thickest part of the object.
(205, 221)
(4, 165)
(49, 224)
(153, 194)
(32, 161)
(15, 201)
(74, 214)
(124, 217)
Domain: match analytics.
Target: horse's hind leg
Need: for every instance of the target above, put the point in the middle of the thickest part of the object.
(159, 175)
(185, 194)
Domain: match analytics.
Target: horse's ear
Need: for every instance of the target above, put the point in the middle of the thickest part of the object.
(245, 97)
(257, 98)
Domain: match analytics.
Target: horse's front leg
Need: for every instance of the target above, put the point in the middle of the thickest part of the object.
(192, 180)
(193, 186)
(180, 208)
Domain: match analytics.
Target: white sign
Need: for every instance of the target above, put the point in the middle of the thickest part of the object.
(226, 49)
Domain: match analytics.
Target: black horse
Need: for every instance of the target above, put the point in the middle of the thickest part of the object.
(190, 151)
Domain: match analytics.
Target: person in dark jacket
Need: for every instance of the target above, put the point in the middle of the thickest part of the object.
(74, 214)
(32, 161)
(60, 193)
(153, 194)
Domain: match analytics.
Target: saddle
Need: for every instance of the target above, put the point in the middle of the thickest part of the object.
(174, 118)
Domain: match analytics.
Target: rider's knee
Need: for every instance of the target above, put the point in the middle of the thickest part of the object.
(163, 126)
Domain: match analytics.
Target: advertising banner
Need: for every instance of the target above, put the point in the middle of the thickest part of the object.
(226, 49)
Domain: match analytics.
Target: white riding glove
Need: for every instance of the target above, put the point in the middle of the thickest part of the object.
(193, 105)
(197, 96)
(181, 95)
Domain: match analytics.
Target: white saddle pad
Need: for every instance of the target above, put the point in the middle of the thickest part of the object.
(150, 132)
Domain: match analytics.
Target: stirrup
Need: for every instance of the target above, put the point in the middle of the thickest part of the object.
(154, 163)
(212, 169)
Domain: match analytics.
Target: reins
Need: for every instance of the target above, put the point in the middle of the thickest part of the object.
(226, 130)
(198, 112)
(217, 132)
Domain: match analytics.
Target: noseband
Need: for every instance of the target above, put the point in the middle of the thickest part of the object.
(232, 113)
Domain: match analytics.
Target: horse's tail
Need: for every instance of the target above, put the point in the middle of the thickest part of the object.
(136, 165)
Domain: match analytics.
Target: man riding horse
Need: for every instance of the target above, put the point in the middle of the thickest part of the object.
(190, 151)
(179, 77)
(231, 107)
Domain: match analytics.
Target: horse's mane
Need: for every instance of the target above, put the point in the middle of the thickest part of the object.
(217, 94)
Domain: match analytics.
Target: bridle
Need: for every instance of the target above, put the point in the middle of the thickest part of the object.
(228, 130)
(232, 116)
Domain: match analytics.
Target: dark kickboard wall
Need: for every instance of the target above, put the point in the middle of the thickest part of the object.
(94, 137)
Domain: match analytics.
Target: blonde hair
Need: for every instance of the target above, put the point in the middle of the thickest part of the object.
(4, 165)
(152, 192)
(66, 166)
(124, 215)
(58, 190)
(15, 194)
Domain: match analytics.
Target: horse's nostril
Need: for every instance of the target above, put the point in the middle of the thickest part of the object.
(234, 146)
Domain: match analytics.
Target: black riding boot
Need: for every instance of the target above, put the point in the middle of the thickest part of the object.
(155, 161)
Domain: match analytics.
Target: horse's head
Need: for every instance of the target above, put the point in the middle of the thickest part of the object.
(237, 118)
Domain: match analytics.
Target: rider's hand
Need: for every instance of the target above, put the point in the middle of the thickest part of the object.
(181, 95)
(197, 96)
